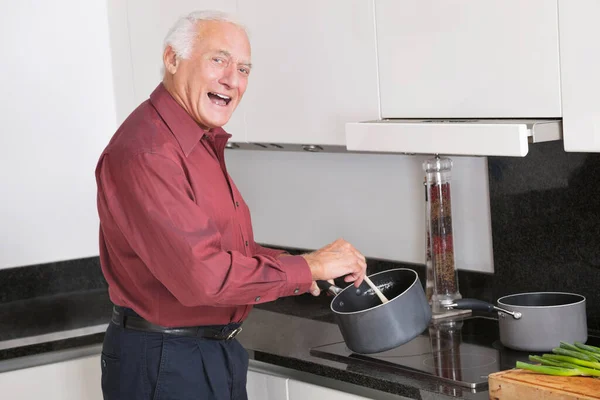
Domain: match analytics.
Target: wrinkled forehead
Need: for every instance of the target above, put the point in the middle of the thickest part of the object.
(223, 37)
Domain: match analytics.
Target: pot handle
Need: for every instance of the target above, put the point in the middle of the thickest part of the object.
(478, 305)
(327, 286)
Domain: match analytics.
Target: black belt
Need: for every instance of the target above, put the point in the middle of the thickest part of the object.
(216, 332)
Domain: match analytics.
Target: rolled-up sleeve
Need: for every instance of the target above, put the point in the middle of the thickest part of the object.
(150, 200)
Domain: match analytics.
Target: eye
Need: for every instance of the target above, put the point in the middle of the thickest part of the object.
(218, 60)
(245, 70)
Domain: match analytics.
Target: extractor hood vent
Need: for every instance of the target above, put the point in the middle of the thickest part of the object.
(468, 137)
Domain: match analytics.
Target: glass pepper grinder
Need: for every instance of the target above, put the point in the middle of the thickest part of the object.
(440, 234)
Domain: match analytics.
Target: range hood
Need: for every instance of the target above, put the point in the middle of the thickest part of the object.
(472, 137)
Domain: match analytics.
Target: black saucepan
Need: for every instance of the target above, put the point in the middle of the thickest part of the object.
(368, 325)
(536, 321)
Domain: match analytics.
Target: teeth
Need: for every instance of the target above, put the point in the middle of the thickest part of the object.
(222, 96)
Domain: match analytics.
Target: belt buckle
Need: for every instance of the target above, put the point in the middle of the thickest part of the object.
(233, 333)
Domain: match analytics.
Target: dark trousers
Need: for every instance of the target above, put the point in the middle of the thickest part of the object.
(140, 365)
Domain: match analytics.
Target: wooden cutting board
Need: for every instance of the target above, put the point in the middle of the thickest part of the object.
(518, 384)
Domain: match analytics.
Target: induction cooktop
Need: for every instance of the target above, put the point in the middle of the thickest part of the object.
(461, 352)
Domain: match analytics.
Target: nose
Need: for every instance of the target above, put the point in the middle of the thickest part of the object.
(230, 77)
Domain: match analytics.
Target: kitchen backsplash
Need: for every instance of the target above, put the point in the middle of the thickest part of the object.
(546, 223)
(545, 212)
(48, 279)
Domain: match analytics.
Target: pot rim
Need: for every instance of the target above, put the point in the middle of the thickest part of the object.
(379, 305)
(582, 299)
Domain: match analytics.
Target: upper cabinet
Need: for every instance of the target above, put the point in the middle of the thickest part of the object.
(148, 22)
(314, 69)
(580, 66)
(468, 59)
(321, 67)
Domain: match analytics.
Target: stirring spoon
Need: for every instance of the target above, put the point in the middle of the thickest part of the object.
(376, 290)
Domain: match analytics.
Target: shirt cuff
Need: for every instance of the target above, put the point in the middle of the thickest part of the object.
(299, 277)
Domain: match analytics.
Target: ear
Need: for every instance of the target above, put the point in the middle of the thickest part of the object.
(170, 60)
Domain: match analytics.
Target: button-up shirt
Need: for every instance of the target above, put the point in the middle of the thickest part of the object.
(176, 241)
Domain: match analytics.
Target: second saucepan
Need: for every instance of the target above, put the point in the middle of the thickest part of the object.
(536, 321)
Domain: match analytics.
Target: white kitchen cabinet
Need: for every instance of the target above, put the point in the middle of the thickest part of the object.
(263, 386)
(314, 69)
(75, 379)
(580, 63)
(465, 58)
(148, 22)
(298, 390)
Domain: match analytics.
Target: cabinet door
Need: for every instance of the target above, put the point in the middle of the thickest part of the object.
(261, 386)
(464, 58)
(301, 391)
(580, 66)
(314, 69)
(69, 380)
(149, 22)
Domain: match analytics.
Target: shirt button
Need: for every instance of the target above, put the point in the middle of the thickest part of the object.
(237, 204)
(246, 243)
(296, 291)
(257, 298)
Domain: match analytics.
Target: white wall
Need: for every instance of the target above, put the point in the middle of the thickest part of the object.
(376, 202)
(57, 113)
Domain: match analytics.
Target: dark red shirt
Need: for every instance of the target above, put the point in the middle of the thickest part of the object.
(176, 242)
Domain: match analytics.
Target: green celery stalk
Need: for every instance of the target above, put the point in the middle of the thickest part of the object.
(572, 360)
(571, 353)
(583, 370)
(569, 346)
(547, 361)
(587, 347)
(589, 353)
(548, 370)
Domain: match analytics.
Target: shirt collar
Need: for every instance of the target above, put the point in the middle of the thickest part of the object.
(187, 132)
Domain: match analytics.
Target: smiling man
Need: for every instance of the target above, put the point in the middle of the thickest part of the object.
(176, 241)
(209, 80)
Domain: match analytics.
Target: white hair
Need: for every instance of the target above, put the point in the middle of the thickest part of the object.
(182, 36)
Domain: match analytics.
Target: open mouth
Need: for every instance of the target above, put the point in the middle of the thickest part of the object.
(219, 99)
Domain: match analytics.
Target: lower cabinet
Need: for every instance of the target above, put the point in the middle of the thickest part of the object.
(262, 386)
(77, 379)
(298, 390)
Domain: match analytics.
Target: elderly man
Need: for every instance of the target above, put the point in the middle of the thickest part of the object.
(176, 242)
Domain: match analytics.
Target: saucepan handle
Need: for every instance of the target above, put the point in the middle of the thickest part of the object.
(327, 286)
(478, 305)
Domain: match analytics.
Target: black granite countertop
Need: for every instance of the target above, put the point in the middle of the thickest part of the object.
(279, 333)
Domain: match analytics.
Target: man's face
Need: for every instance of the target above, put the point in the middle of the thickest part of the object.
(211, 83)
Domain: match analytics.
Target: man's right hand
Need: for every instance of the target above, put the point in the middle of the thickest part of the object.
(337, 259)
